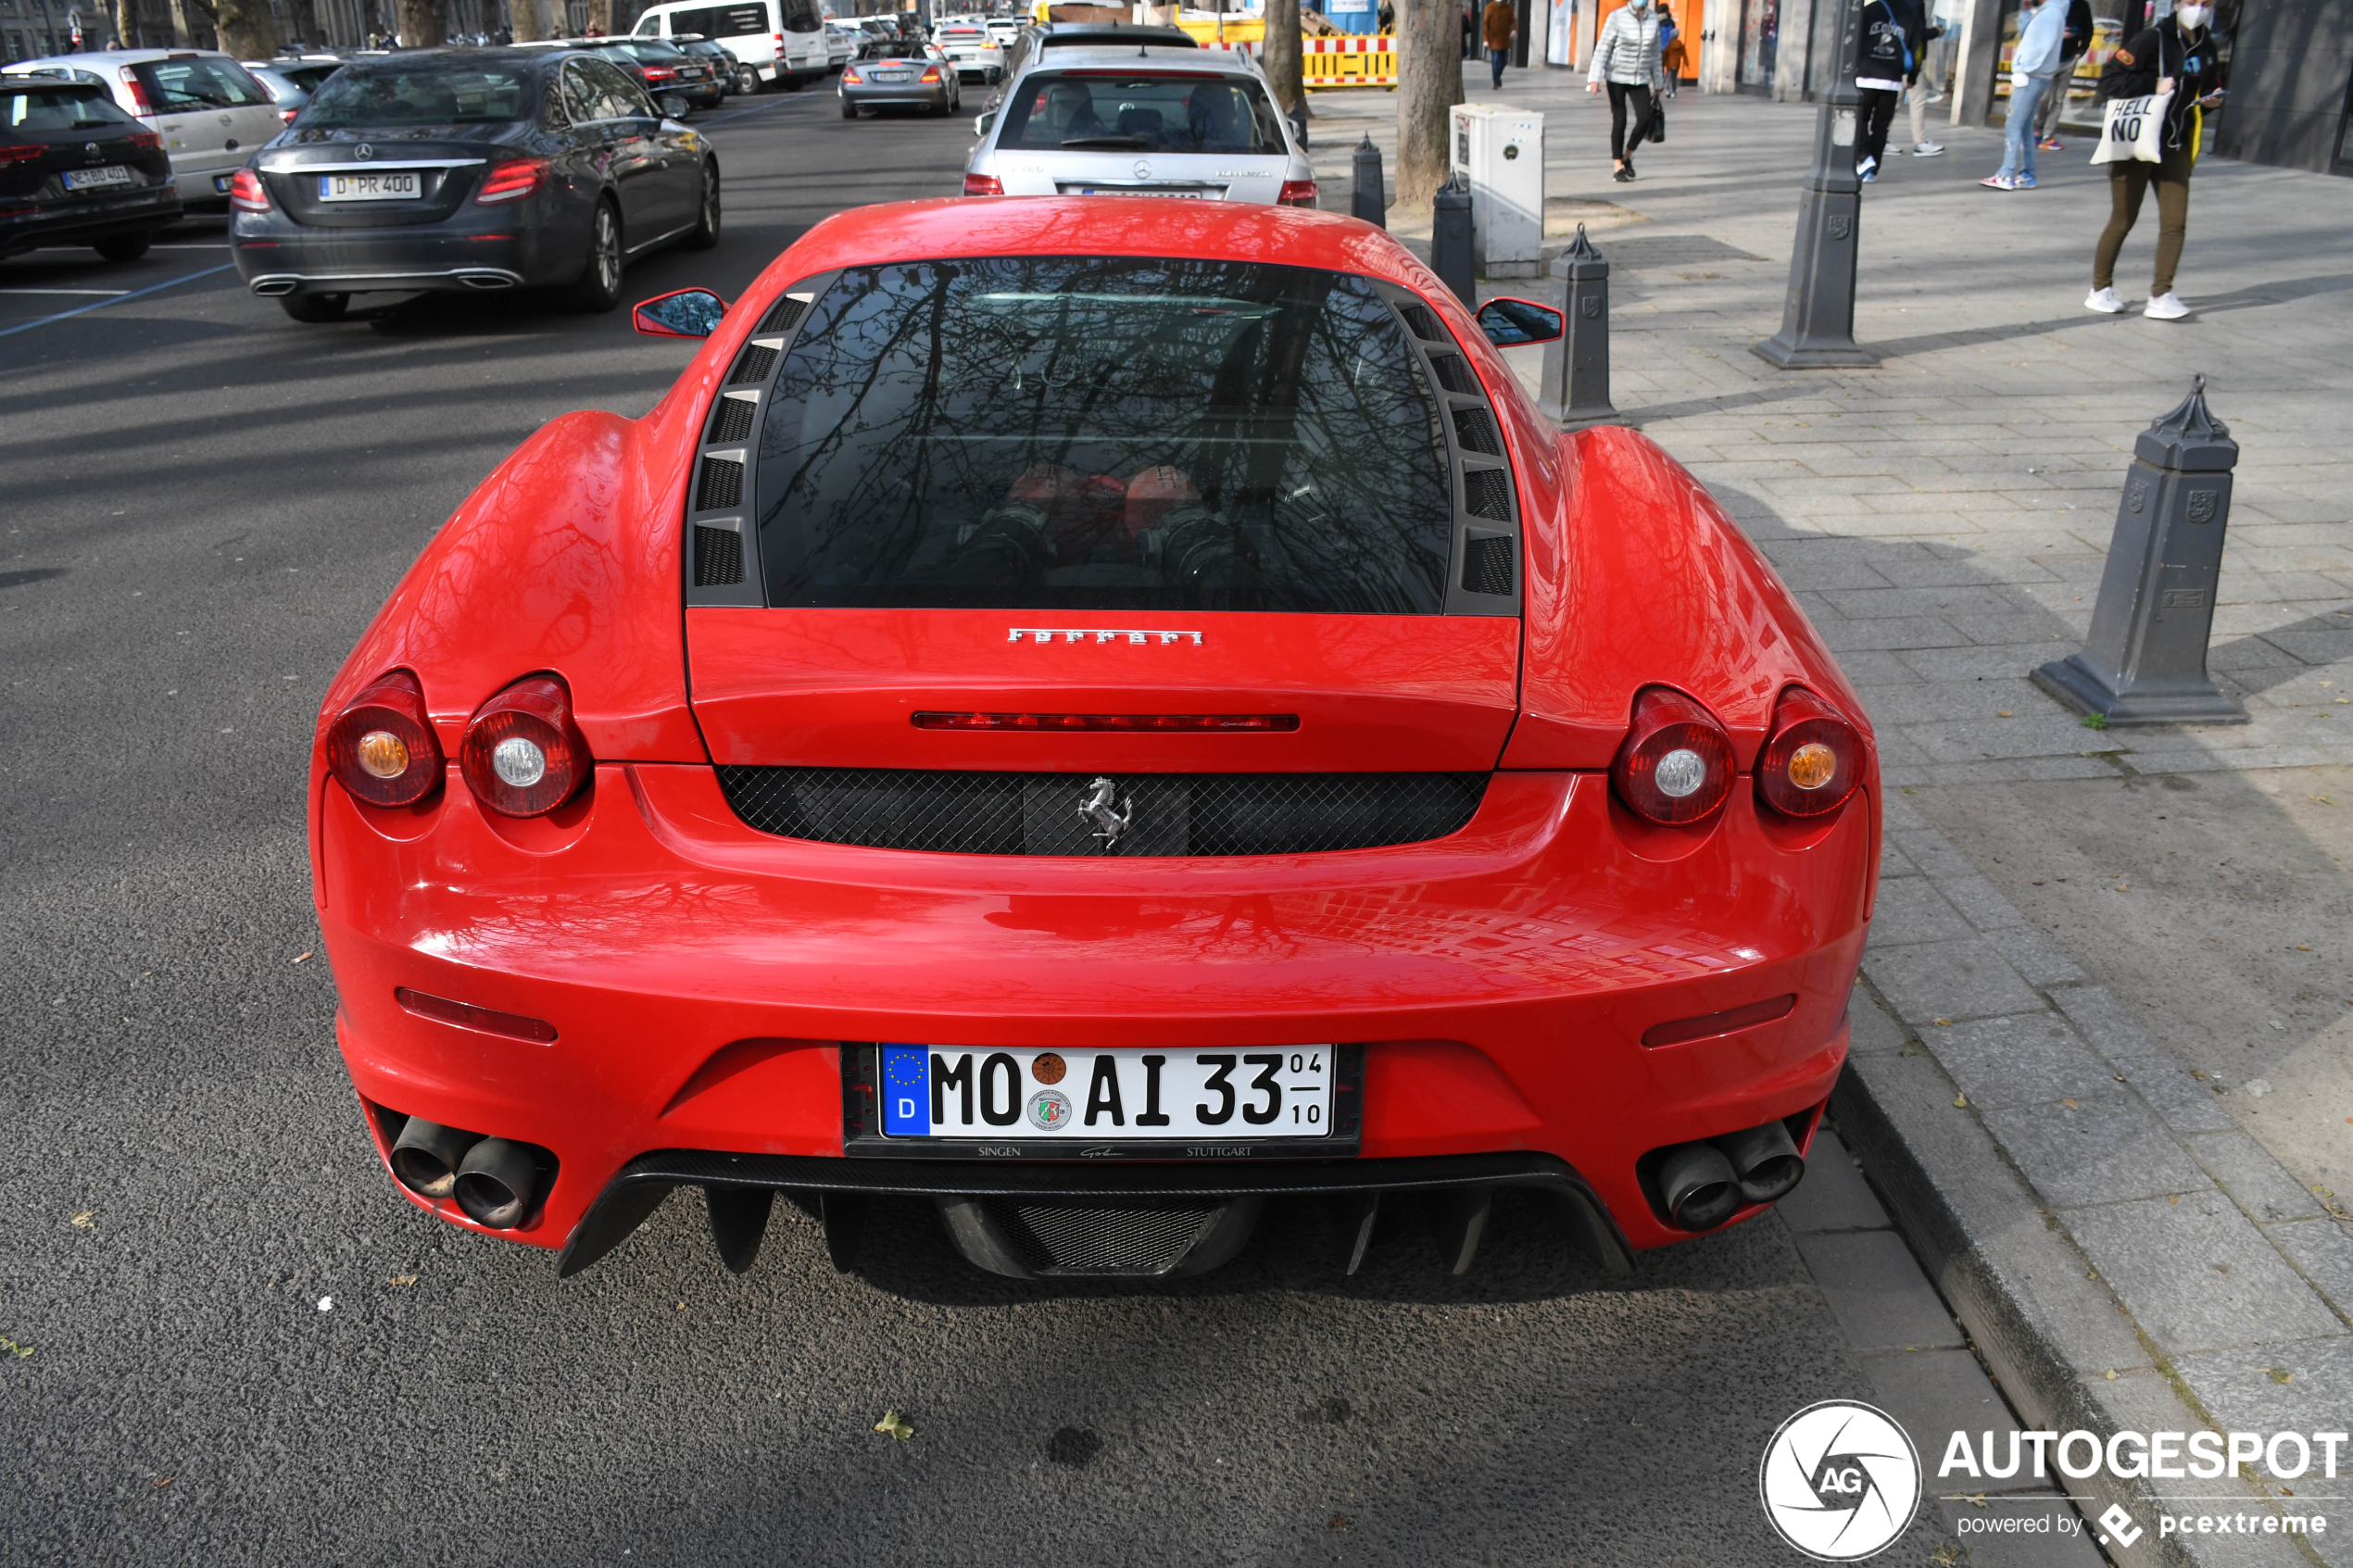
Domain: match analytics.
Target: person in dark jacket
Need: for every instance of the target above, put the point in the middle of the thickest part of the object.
(2177, 55)
(2072, 43)
(1884, 55)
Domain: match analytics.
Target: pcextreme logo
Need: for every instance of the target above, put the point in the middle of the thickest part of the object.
(1840, 1481)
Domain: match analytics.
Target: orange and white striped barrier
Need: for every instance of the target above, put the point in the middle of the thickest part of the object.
(1368, 61)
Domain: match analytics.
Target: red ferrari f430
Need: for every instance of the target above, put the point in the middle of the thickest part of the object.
(1096, 714)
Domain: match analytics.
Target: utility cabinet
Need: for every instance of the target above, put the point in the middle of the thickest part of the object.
(1499, 152)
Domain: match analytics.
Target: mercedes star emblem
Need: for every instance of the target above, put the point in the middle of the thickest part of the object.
(364, 151)
(1143, 169)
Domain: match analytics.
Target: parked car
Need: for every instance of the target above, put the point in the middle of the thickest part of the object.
(902, 75)
(1098, 726)
(730, 72)
(470, 170)
(845, 41)
(291, 79)
(661, 67)
(783, 40)
(1005, 30)
(1132, 120)
(976, 54)
(209, 112)
(76, 171)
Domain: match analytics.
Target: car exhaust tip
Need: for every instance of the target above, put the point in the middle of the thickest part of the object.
(487, 280)
(1765, 1161)
(426, 1156)
(1698, 1185)
(270, 288)
(496, 1182)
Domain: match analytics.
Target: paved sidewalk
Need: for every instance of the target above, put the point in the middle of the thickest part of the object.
(2135, 1234)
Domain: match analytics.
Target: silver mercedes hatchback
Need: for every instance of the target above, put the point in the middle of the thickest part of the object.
(1137, 120)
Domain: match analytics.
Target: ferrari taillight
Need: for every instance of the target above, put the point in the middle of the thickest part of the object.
(382, 747)
(246, 193)
(524, 755)
(1813, 759)
(1676, 765)
(1296, 193)
(511, 180)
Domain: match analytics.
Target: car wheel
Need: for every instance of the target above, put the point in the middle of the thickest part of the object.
(315, 307)
(598, 288)
(705, 233)
(747, 81)
(787, 81)
(125, 247)
(849, 109)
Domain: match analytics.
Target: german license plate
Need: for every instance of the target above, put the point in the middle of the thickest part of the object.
(94, 178)
(221, 182)
(1134, 191)
(1066, 1101)
(894, 76)
(392, 185)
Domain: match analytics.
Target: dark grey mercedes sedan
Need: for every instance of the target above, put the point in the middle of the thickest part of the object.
(470, 170)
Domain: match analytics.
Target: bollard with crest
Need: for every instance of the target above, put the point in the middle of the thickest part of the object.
(1576, 383)
(1369, 201)
(2144, 661)
(1450, 241)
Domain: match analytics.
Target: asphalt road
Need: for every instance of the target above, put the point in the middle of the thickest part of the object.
(235, 1343)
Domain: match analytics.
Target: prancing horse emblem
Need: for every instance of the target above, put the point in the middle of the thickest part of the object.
(1097, 808)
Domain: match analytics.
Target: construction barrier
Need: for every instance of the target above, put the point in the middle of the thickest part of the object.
(1348, 62)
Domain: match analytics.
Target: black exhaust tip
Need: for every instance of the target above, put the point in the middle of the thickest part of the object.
(426, 1156)
(1699, 1187)
(1764, 1161)
(496, 1182)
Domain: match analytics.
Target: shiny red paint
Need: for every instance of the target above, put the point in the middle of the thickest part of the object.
(699, 975)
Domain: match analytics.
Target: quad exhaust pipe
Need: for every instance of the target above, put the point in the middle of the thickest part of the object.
(495, 1181)
(1702, 1184)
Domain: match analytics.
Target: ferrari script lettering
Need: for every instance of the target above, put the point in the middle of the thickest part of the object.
(1042, 635)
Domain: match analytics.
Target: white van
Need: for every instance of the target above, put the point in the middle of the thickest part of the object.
(783, 40)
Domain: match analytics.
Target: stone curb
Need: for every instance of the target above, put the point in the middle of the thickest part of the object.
(2073, 1256)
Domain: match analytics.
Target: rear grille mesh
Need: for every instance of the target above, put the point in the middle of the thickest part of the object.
(1168, 814)
(752, 366)
(1486, 493)
(1419, 322)
(719, 556)
(1452, 374)
(721, 484)
(1487, 566)
(1079, 1238)
(733, 419)
(1475, 428)
(782, 315)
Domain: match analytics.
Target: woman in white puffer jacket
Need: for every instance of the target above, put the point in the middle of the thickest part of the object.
(1626, 56)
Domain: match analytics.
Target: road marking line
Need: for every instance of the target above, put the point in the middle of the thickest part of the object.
(117, 291)
(101, 304)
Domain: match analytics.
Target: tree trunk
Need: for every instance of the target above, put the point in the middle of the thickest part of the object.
(125, 16)
(303, 16)
(527, 19)
(1279, 57)
(247, 31)
(1429, 82)
(420, 23)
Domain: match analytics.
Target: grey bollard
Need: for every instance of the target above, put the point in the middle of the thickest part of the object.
(1576, 383)
(1370, 199)
(1450, 242)
(2144, 661)
(1818, 319)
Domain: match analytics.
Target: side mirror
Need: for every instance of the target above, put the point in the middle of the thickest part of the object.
(688, 313)
(1511, 323)
(673, 106)
(980, 126)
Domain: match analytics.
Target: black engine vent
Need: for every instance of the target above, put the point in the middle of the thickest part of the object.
(721, 484)
(1452, 374)
(1475, 428)
(1487, 566)
(1421, 323)
(752, 366)
(719, 556)
(782, 315)
(1486, 493)
(1163, 814)
(732, 420)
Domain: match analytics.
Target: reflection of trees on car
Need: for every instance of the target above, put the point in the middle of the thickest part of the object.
(1103, 434)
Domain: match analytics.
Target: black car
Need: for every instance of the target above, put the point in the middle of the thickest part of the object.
(662, 66)
(76, 171)
(731, 73)
(470, 170)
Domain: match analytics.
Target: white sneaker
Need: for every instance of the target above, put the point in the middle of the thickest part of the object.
(2167, 308)
(2105, 302)
(1928, 149)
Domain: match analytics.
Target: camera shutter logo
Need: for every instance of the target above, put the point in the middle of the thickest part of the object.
(1840, 1481)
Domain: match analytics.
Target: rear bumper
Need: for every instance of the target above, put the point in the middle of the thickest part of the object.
(869, 93)
(87, 219)
(701, 976)
(276, 257)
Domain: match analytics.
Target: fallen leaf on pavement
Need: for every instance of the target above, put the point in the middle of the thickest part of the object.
(897, 1426)
(1944, 1022)
(2071, 1105)
(2280, 1374)
(404, 1281)
(12, 1347)
(86, 1221)
(1961, 1100)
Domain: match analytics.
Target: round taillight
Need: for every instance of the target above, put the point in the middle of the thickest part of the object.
(381, 746)
(524, 755)
(1676, 765)
(1812, 762)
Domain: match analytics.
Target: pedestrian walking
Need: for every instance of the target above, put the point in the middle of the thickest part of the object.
(2177, 55)
(2072, 43)
(2041, 25)
(1883, 59)
(1626, 57)
(1921, 88)
(1497, 24)
(1673, 55)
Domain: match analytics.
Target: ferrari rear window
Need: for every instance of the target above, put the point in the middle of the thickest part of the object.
(1143, 112)
(1103, 434)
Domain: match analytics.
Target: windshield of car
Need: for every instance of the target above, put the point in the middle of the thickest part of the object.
(198, 82)
(651, 52)
(1154, 112)
(902, 49)
(1103, 434)
(442, 92)
(59, 109)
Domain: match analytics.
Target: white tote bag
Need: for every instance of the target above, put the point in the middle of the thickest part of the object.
(2132, 131)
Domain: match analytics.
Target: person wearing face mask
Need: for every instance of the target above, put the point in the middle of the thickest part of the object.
(1626, 56)
(2042, 28)
(2177, 55)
